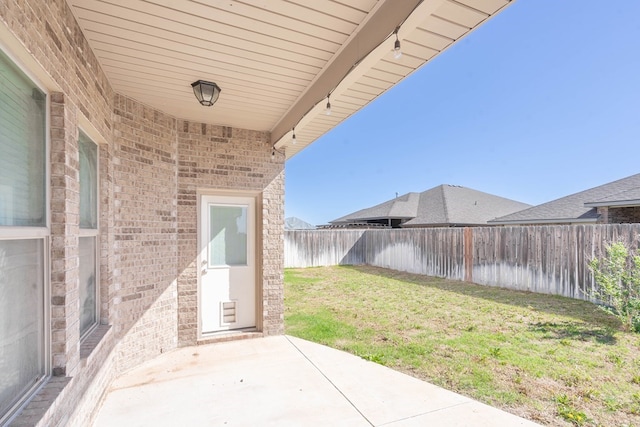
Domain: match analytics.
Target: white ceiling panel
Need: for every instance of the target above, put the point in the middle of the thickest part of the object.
(274, 60)
(460, 14)
(487, 6)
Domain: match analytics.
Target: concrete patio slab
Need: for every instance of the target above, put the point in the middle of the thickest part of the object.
(283, 381)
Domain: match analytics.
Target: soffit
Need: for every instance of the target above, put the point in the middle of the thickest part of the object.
(432, 28)
(275, 60)
(263, 54)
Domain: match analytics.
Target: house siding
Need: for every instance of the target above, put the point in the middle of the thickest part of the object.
(152, 167)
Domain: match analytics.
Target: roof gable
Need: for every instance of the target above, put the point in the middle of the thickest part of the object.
(457, 205)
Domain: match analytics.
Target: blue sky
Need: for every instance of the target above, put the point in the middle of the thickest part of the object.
(540, 102)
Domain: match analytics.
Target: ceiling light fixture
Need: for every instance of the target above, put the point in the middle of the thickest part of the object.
(397, 53)
(206, 92)
(327, 109)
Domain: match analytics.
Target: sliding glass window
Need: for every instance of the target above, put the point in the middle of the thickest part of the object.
(23, 236)
(88, 244)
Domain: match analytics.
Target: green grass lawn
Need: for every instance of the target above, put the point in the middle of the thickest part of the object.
(554, 360)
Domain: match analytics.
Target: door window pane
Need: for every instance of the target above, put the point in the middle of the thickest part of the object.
(88, 182)
(21, 318)
(228, 235)
(88, 309)
(22, 148)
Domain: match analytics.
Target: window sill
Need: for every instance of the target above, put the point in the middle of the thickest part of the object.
(35, 412)
(92, 342)
(36, 408)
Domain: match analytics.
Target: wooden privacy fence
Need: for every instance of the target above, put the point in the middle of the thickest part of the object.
(543, 259)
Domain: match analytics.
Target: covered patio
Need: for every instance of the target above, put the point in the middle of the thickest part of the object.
(136, 219)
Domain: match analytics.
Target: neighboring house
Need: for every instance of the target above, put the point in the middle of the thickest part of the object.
(133, 219)
(441, 206)
(612, 203)
(294, 223)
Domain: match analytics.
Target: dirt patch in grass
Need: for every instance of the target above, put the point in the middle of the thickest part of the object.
(553, 360)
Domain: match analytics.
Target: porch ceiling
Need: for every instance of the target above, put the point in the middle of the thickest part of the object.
(275, 60)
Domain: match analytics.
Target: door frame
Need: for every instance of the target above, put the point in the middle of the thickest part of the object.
(257, 253)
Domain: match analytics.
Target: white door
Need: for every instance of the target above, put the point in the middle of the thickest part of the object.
(227, 263)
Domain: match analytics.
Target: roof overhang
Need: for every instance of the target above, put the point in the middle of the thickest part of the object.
(377, 218)
(441, 225)
(546, 221)
(275, 61)
(617, 204)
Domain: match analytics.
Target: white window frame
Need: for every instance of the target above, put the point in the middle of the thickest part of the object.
(94, 233)
(41, 233)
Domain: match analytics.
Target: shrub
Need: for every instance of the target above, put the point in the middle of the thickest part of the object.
(618, 277)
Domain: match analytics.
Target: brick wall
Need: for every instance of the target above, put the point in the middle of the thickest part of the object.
(222, 158)
(624, 215)
(273, 256)
(618, 215)
(144, 231)
(65, 199)
(150, 168)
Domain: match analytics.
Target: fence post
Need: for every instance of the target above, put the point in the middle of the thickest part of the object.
(467, 246)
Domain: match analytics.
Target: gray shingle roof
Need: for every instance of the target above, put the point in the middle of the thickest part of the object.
(572, 208)
(456, 205)
(628, 197)
(441, 205)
